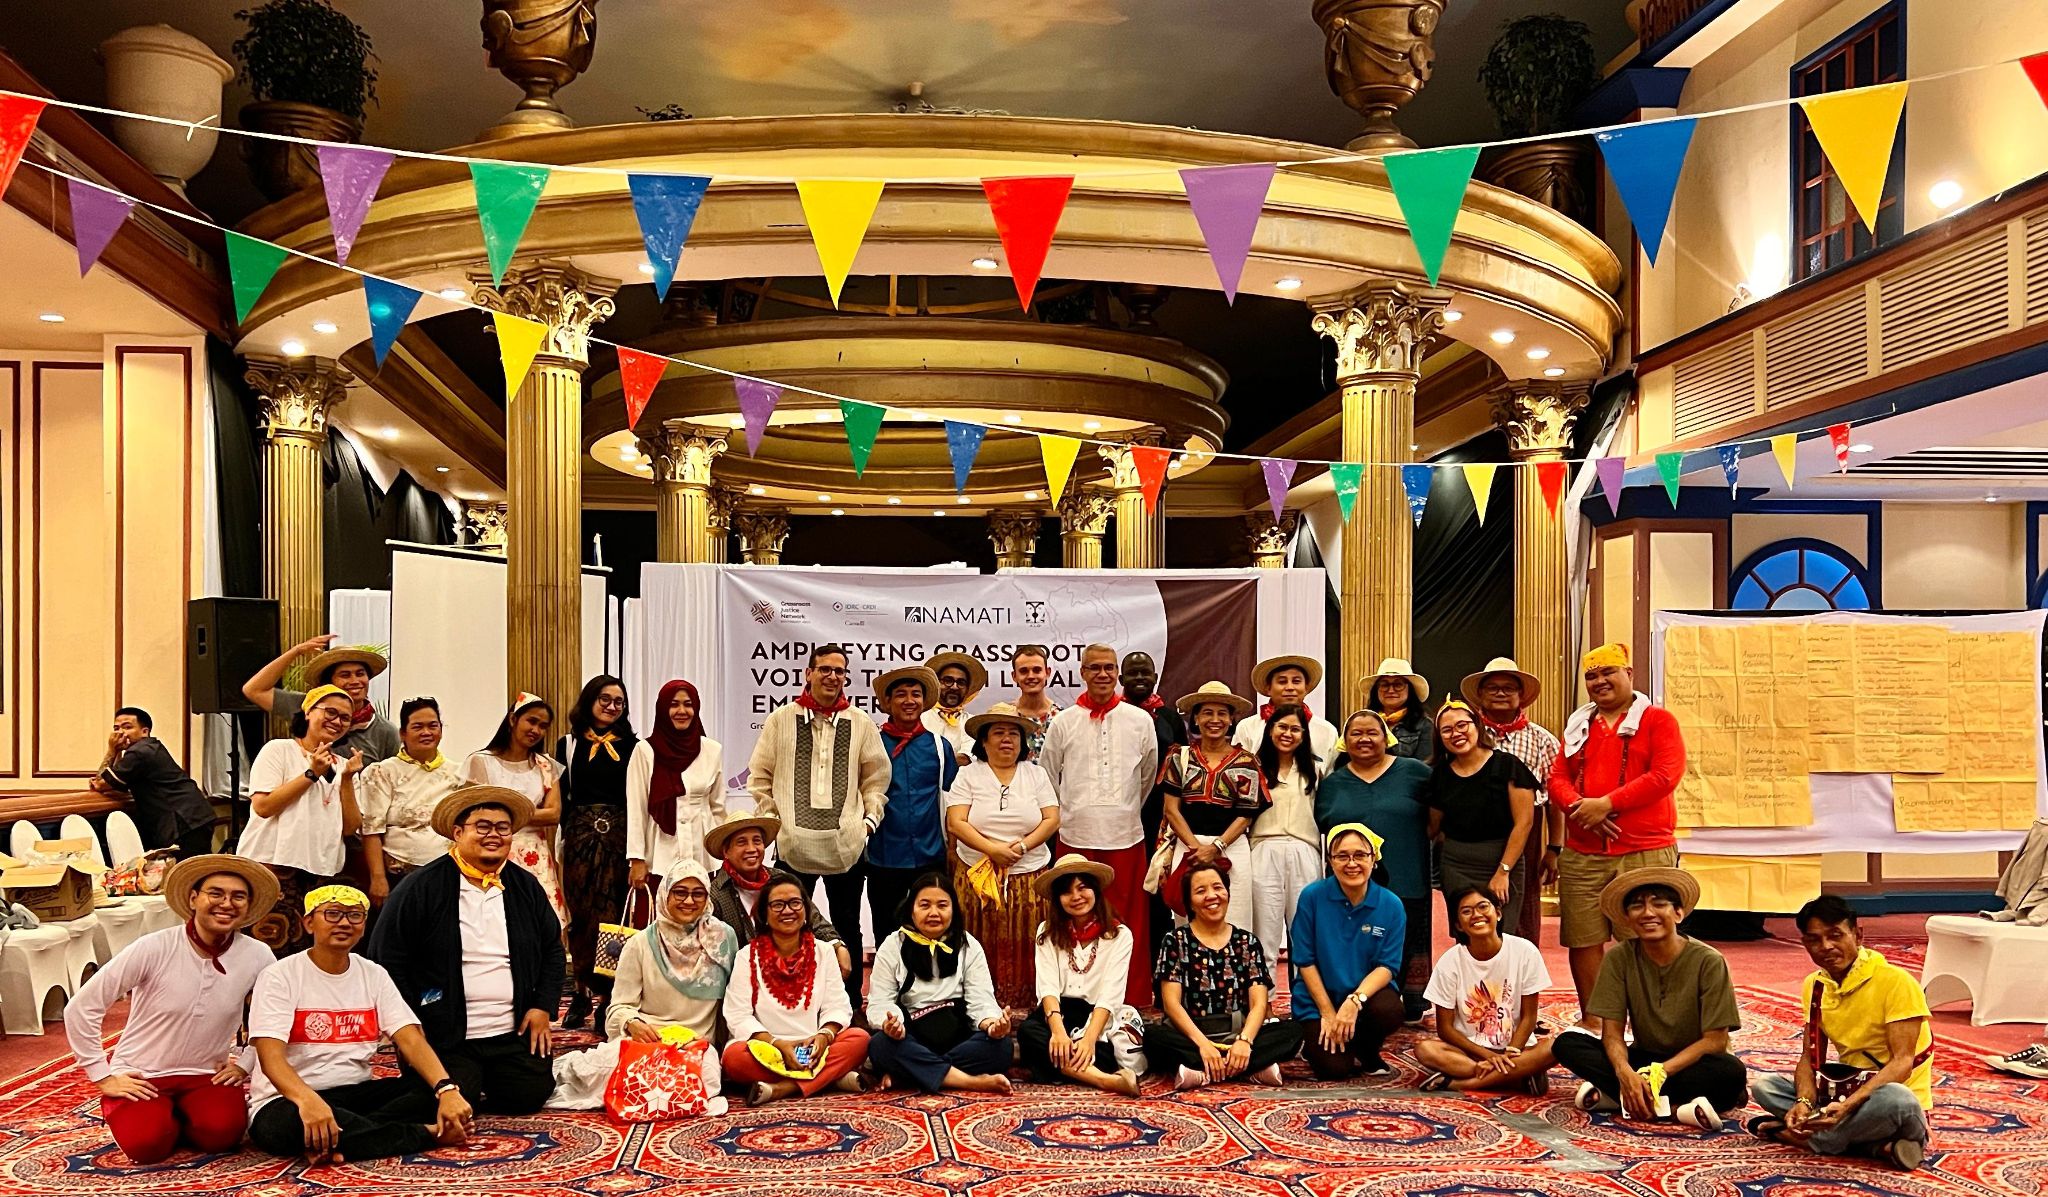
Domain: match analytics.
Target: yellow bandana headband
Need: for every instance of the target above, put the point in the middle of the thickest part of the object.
(1456, 704)
(340, 895)
(317, 693)
(1606, 656)
(1371, 837)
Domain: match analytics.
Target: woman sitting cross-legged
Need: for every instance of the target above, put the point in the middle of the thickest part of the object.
(1082, 1030)
(1485, 990)
(1214, 987)
(932, 1002)
(674, 973)
(790, 1034)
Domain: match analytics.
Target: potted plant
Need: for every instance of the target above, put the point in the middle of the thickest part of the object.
(1539, 69)
(308, 66)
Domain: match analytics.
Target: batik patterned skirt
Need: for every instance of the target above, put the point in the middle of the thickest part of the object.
(1005, 929)
(594, 878)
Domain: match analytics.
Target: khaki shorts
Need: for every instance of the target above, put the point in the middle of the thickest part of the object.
(1580, 878)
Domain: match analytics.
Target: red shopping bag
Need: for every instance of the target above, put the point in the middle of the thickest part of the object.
(657, 1082)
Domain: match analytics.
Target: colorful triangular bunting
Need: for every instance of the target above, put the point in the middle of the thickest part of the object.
(963, 444)
(506, 195)
(1279, 473)
(1430, 187)
(1150, 462)
(350, 175)
(1838, 435)
(1479, 480)
(1669, 467)
(863, 422)
(390, 305)
(1026, 210)
(1644, 161)
(666, 206)
(18, 116)
(1059, 453)
(1550, 479)
(1346, 476)
(251, 264)
(518, 342)
(1227, 201)
(1785, 447)
(1731, 464)
(838, 212)
(1610, 471)
(1856, 130)
(638, 374)
(1415, 480)
(757, 401)
(2036, 67)
(96, 216)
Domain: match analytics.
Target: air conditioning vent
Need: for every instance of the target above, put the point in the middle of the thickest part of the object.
(1962, 461)
(1815, 351)
(1944, 303)
(1713, 389)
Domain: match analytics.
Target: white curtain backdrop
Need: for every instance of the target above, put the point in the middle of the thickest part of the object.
(364, 617)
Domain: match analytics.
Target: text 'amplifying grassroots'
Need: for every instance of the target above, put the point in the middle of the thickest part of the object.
(781, 667)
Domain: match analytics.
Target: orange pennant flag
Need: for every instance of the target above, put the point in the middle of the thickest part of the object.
(1150, 463)
(1856, 130)
(1550, 476)
(638, 372)
(1026, 211)
(518, 342)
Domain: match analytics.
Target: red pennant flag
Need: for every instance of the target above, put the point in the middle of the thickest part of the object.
(1550, 477)
(18, 115)
(1150, 463)
(1026, 211)
(1839, 434)
(638, 372)
(2036, 67)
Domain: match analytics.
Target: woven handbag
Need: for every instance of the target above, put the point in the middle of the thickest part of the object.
(612, 937)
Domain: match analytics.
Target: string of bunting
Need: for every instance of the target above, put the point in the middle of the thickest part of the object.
(1856, 130)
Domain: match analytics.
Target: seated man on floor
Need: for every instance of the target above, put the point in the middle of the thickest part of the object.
(473, 945)
(1674, 994)
(177, 1073)
(1874, 1101)
(740, 844)
(170, 810)
(316, 1020)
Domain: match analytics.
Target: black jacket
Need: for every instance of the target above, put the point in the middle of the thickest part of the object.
(418, 940)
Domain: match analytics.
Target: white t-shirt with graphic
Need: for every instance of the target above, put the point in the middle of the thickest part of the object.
(1485, 996)
(331, 1025)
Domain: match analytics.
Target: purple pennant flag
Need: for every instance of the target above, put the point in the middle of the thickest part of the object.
(757, 403)
(1279, 473)
(1610, 471)
(350, 174)
(1227, 201)
(96, 215)
(1731, 464)
(1415, 479)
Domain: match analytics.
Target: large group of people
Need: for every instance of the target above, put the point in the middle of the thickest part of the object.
(1087, 893)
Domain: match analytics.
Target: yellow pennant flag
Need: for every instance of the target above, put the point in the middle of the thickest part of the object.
(1479, 480)
(1059, 453)
(1785, 447)
(838, 211)
(1856, 130)
(518, 341)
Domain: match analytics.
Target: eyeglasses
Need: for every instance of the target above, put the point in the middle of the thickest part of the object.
(235, 898)
(689, 895)
(605, 701)
(830, 670)
(353, 915)
(490, 828)
(1100, 667)
(1351, 858)
(785, 905)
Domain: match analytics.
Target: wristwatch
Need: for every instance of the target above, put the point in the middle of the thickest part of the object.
(312, 776)
(446, 1083)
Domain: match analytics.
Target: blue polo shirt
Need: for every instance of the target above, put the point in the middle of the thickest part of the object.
(1344, 942)
(913, 830)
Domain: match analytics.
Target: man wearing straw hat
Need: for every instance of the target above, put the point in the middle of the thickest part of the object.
(1502, 694)
(1286, 680)
(473, 945)
(349, 668)
(176, 1076)
(961, 678)
(911, 838)
(741, 843)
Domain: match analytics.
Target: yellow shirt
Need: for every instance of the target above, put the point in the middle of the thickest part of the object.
(1855, 1013)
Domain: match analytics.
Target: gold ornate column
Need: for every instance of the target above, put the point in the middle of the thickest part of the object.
(762, 531)
(544, 477)
(682, 456)
(725, 503)
(483, 525)
(1381, 331)
(1270, 537)
(297, 394)
(1084, 520)
(1140, 534)
(1537, 417)
(1014, 533)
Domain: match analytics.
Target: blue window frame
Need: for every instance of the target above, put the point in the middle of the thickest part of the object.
(1800, 575)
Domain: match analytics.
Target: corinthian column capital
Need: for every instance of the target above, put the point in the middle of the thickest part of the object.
(297, 394)
(1382, 328)
(1538, 415)
(1085, 512)
(568, 301)
(683, 454)
(1122, 463)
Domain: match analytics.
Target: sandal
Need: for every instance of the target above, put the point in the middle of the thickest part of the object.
(1435, 1082)
(1902, 1154)
(1768, 1127)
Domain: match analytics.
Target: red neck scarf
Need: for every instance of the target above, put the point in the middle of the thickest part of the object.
(1089, 931)
(1520, 721)
(1098, 711)
(900, 737)
(674, 751)
(751, 884)
(364, 714)
(815, 707)
(207, 950)
(1266, 713)
(789, 978)
(1153, 704)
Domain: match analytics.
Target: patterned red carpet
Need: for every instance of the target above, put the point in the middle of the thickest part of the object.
(1311, 1140)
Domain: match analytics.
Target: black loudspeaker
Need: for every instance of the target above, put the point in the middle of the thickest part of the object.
(227, 640)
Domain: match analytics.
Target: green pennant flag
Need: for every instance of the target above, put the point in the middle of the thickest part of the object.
(506, 195)
(251, 264)
(1669, 466)
(1346, 476)
(1430, 187)
(863, 421)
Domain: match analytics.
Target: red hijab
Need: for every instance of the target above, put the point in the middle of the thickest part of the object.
(674, 751)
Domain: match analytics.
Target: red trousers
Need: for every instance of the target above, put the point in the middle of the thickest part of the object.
(845, 1055)
(1126, 892)
(189, 1109)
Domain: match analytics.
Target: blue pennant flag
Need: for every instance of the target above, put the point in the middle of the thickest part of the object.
(666, 207)
(1415, 480)
(963, 441)
(1731, 463)
(390, 307)
(1645, 160)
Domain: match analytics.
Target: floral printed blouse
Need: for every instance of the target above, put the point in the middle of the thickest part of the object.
(1213, 983)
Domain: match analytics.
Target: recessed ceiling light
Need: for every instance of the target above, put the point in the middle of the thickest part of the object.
(918, 415)
(839, 511)
(643, 468)
(1453, 315)
(895, 501)
(821, 417)
(1945, 194)
(1991, 498)
(1030, 496)
(1859, 448)
(1502, 336)
(326, 327)
(292, 348)
(1012, 418)
(738, 421)
(51, 317)
(1538, 354)
(647, 268)
(963, 498)
(440, 469)
(757, 490)
(1290, 283)
(1413, 446)
(387, 433)
(628, 453)
(1553, 372)
(984, 263)
(456, 294)
(938, 511)
(824, 498)
(1091, 425)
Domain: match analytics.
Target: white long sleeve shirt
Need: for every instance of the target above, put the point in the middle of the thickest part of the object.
(1096, 971)
(1103, 769)
(699, 808)
(747, 1015)
(183, 1017)
(888, 994)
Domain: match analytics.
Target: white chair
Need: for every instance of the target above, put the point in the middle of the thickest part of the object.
(82, 950)
(33, 964)
(75, 827)
(1996, 967)
(124, 842)
(21, 839)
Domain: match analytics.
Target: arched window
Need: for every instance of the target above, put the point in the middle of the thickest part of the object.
(1801, 575)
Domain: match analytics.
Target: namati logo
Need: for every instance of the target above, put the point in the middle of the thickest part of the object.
(1034, 612)
(763, 611)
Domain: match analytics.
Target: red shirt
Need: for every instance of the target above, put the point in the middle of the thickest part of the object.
(1637, 773)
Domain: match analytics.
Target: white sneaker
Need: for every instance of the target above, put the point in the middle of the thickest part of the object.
(2031, 1060)
(1590, 1099)
(1189, 1078)
(1698, 1112)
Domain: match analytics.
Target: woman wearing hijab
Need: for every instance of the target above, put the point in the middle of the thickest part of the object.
(932, 1002)
(517, 759)
(1371, 784)
(674, 973)
(593, 758)
(675, 787)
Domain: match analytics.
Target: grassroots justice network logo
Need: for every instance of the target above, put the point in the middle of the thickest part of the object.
(763, 611)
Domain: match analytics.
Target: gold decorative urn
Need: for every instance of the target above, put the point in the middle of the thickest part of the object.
(1378, 54)
(541, 45)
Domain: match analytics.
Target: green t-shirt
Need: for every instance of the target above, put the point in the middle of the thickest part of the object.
(1669, 1007)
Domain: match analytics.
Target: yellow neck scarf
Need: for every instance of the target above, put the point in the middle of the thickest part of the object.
(605, 741)
(429, 766)
(951, 717)
(936, 945)
(490, 880)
